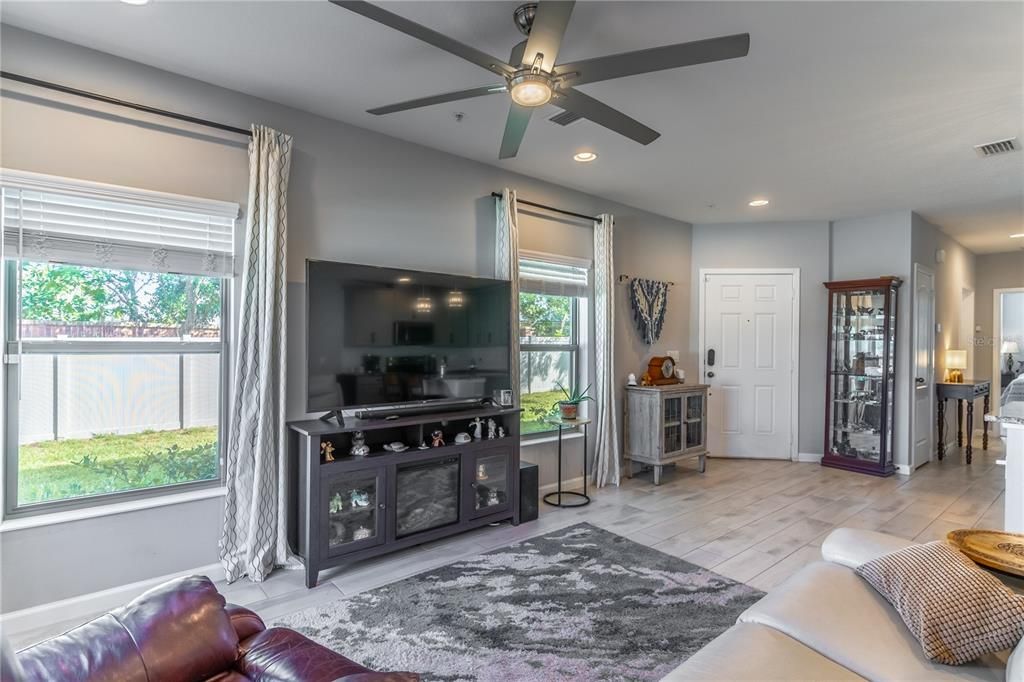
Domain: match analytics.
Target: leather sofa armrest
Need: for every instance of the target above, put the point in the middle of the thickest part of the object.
(852, 547)
(284, 655)
(245, 622)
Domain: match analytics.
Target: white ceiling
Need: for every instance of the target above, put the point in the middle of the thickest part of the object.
(841, 109)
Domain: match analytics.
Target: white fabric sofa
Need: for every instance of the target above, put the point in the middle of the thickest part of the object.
(826, 623)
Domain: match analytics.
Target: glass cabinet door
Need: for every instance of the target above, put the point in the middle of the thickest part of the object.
(355, 504)
(861, 377)
(672, 423)
(490, 482)
(694, 421)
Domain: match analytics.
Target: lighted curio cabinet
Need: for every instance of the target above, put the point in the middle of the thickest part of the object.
(861, 375)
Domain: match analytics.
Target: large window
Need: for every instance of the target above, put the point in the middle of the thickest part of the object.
(113, 373)
(551, 325)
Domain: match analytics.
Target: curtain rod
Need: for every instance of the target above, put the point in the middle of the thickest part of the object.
(122, 103)
(498, 195)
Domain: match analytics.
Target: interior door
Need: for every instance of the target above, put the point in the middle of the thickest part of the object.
(749, 363)
(924, 364)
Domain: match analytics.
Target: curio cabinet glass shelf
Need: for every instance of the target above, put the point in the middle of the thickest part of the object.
(861, 375)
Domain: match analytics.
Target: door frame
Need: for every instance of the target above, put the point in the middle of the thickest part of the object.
(702, 273)
(996, 336)
(919, 268)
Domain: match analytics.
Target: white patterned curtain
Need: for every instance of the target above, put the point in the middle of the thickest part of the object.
(606, 469)
(254, 538)
(506, 266)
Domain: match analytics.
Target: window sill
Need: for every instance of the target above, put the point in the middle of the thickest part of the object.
(525, 442)
(39, 520)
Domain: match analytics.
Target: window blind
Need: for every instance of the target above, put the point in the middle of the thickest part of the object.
(100, 226)
(553, 278)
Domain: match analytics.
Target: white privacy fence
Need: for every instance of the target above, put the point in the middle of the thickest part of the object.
(542, 370)
(79, 396)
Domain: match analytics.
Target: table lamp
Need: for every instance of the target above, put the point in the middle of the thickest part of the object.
(956, 363)
(1008, 349)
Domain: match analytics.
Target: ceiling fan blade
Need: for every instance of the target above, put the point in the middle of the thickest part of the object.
(439, 40)
(439, 99)
(602, 114)
(515, 129)
(656, 59)
(546, 33)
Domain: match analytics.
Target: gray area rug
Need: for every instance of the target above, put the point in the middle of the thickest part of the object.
(579, 603)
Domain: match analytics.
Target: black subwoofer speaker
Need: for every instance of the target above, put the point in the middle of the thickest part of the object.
(529, 490)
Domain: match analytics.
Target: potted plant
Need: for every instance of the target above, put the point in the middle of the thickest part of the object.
(570, 407)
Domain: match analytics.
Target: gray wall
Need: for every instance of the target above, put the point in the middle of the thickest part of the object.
(354, 196)
(803, 245)
(994, 271)
(955, 274)
(874, 247)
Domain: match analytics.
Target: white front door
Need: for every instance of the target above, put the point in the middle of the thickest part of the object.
(924, 364)
(749, 360)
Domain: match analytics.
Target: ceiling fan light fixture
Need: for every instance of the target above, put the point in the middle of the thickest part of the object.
(758, 203)
(585, 157)
(1019, 235)
(529, 89)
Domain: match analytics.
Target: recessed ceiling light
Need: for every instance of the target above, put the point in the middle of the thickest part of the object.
(135, 2)
(404, 280)
(1019, 235)
(757, 203)
(585, 157)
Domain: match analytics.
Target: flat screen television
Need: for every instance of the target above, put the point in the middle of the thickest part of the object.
(384, 337)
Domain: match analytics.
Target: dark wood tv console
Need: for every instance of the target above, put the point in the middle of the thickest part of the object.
(354, 508)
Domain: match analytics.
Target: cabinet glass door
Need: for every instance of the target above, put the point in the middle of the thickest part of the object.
(694, 421)
(672, 423)
(355, 504)
(861, 344)
(490, 483)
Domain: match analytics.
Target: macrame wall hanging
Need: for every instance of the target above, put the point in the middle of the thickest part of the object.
(649, 299)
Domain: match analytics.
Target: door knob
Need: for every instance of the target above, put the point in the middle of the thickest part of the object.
(711, 375)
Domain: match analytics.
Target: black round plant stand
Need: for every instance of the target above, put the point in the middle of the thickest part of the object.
(569, 498)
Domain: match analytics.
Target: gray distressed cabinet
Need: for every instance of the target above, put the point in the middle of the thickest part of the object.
(666, 424)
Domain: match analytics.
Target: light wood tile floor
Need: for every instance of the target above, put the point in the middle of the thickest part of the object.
(755, 521)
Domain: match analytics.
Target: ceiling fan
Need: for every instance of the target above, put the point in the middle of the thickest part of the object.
(533, 78)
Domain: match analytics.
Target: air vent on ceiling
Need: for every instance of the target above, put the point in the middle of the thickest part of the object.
(565, 118)
(998, 147)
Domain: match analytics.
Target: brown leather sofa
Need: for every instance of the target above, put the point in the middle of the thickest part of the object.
(183, 631)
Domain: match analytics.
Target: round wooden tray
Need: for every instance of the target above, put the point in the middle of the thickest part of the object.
(991, 548)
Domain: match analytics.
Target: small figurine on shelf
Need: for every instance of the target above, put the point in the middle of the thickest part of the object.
(631, 379)
(359, 446)
(362, 532)
(645, 380)
(327, 450)
(501, 432)
(437, 438)
(477, 426)
(360, 498)
(481, 472)
(423, 445)
(491, 426)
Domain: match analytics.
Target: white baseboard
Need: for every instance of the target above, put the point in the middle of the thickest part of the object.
(86, 606)
(904, 469)
(571, 484)
(808, 457)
